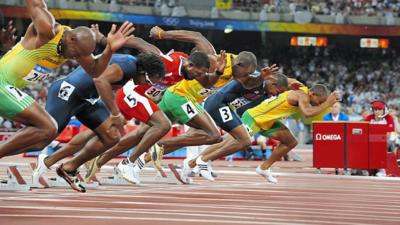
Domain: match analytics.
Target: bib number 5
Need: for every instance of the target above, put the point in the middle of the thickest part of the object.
(130, 100)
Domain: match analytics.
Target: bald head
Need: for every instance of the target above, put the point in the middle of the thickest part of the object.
(86, 39)
(244, 64)
(80, 41)
(246, 59)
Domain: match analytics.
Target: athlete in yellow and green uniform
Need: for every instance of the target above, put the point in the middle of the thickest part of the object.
(265, 120)
(45, 46)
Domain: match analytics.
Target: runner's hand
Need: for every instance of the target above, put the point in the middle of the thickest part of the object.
(268, 72)
(221, 62)
(99, 36)
(7, 37)
(117, 38)
(156, 32)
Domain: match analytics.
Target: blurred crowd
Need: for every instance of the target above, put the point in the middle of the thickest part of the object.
(330, 7)
(317, 7)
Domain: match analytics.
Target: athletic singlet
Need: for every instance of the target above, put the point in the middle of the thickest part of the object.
(194, 90)
(21, 67)
(83, 84)
(272, 109)
(173, 62)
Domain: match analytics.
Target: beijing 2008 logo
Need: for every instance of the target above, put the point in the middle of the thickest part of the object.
(171, 21)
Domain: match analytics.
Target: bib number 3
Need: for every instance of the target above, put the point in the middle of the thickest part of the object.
(226, 114)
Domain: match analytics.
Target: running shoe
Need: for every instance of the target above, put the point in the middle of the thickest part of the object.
(267, 174)
(92, 169)
(71, 178)
(204, 170)
(41, 169)
(156, 153)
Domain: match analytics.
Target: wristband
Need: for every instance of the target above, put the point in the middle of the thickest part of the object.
(159, 34)
(118, 115)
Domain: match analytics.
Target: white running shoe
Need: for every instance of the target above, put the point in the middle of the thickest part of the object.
(41, 169)
(267, 174)
(381, 173)
(128, 172)
(213, 173)
(186, 171)
(204, 170)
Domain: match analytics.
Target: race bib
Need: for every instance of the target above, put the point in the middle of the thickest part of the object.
(66, 90)
(155, 92)
(189, 109)
(18, 94)
(130, 100)
(38, 73)
(226, 114)
(239, 102)
(206, 92)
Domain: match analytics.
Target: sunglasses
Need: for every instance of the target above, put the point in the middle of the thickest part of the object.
(376, 109)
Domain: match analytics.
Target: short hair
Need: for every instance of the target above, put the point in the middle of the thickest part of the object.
(152, 64)
(320, 90)
(199, 59)
(282, 80)
(246, 58)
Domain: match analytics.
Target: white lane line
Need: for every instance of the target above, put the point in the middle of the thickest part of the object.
(153, 219)
(233, 215)
(261, 206)
(165, 219)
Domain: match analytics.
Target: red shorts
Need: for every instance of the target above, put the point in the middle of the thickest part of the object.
(134, 105)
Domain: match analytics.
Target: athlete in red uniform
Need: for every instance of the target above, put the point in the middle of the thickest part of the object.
(176, 70)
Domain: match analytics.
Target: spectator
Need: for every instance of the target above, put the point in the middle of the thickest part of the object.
(381, 115)
(336, 114)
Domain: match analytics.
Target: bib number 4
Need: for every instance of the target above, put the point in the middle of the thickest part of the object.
(189, 109)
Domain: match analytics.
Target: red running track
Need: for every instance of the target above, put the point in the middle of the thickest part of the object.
(238, 196)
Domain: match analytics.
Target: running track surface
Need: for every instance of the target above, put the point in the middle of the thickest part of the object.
(238, 196)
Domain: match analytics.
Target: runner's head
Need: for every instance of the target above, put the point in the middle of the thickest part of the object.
(151, 67)
(318, 94)
(244, 64)
(196, 66)
(277, 84)
(78, 42)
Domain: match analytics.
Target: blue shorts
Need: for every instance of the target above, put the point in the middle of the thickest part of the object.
(221, 113)
(63, 102)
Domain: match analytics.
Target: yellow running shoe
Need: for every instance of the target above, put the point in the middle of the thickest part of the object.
(92, 169)
(156, 153)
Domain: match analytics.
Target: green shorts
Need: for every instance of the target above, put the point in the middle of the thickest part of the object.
(249, 122)
(179, 108)
(12, 100)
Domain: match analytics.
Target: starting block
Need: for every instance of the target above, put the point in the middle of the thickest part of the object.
(15, 181)
(170, 176)
(59, 182)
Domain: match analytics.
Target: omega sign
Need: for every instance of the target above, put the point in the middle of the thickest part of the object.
(328, 137)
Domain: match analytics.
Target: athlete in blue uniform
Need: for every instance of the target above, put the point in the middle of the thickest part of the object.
(220, 108)
(76, 95)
